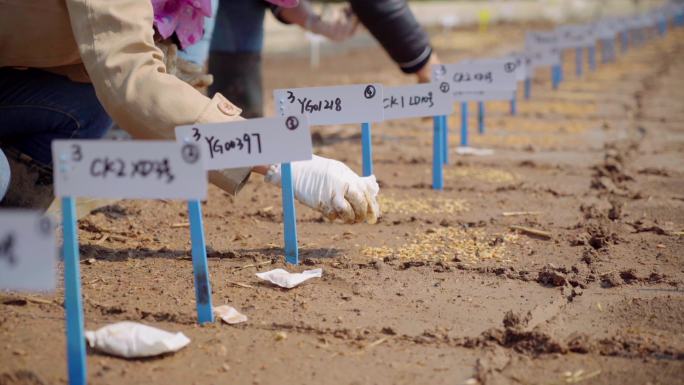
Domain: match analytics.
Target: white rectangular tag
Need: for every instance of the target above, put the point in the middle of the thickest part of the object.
(251, 142)
(543, 57)
(418, 100)
(28, 252)
(541, 40)
(575, 36)
(477, 77)
(360, 103)
(128, 169)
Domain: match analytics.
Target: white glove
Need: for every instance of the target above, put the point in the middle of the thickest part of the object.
(332, 188)
(337, 28)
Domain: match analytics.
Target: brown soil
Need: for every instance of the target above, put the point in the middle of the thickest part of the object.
(441, 290)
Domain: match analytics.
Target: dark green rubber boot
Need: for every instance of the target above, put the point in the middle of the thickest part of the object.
(237, 76)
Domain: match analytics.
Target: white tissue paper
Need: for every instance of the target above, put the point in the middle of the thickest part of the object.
(132, 340)
(288, 280)
(229, 314)
(474, 151)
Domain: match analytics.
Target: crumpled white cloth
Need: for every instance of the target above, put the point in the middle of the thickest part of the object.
(329, 186)
(132, 340)
(289, 280)
(229, 314)
(474, 151)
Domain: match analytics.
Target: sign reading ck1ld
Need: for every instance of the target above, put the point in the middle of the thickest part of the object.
(418, 100)
(128, 169)
(250, 142)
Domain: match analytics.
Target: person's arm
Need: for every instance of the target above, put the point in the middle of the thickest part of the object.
(395, 27)
(337, 29)
(115, 40)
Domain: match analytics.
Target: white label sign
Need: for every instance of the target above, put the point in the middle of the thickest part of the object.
(418, 100)
(28, 253)
(472, 80)
(576, 36)
(543, 57)
(250, 142)
(359, 103)
(541, 40)
(128, 169)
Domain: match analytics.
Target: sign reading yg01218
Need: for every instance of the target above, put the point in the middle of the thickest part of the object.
(418, 100)
(478, 79)
(28, 253)
(128, 169)
(360, 103)
(250, 142)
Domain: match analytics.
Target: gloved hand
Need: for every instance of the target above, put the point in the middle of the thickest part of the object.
(337, 28)
(332, 188)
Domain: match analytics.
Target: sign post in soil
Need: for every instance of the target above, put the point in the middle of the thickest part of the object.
(421, 100)
(254, 142)
(134, 170)
(361, 103)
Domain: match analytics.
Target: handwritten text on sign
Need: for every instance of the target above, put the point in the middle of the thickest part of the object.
(576, 36)
(250, 142)
(28, 253)
(359, 103)
(472, 80)
(430, 99)
(128, 169)
(537, 40)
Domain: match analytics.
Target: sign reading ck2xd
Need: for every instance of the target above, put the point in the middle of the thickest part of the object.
(479, 80)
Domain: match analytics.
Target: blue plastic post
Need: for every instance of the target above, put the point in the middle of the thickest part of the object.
(555, 74)
(76, 357)
(437, 152)
(624, 40)
(579, 61)
(514, 105)
(481, 117)
(289, 215)
(592, 58)
(604, 51)
(444, 121)
(367, 149)
(561, 71)
(199, 263)
(528, 88)
(464, 124)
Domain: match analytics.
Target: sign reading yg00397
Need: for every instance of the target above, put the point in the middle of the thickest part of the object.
(28, 253)
(360, 103)
(128, 169)
(250, 142)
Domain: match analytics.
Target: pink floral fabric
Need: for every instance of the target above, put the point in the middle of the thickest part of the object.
(186, 17)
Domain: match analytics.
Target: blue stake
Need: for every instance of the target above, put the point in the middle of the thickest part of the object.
(555, 76)
(437, 152)
(72, 296)
(514, 105)
(528, 88)
(561, 72)
(445, 138)
(289, 215)
(624, 40)
(592, 58)
(199, 263)
(367, 149)
(464, 124)
(579, 61)
(480, 117)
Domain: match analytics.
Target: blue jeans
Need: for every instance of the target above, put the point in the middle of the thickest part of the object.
(37, 107)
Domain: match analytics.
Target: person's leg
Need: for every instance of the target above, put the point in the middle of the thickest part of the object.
(235, 60)
(37, 107)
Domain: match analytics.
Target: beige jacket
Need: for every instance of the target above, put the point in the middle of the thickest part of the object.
(110, 43)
